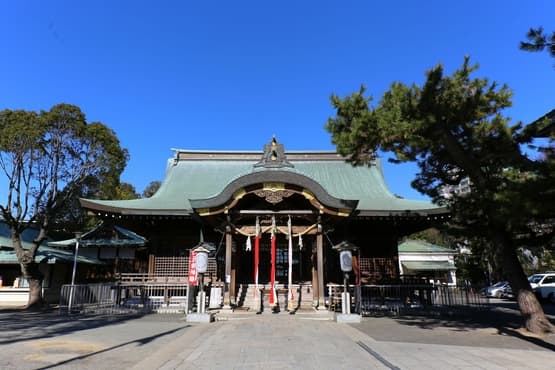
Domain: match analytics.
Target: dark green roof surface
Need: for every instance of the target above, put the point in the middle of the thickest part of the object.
(104, 235)
(203, 175)
(428, 265)
(48, 255)
(420, 246)
(27, 237)
(44, 254)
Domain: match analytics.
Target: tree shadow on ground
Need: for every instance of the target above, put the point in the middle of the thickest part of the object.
(141, 341)
(502, 319)
(22, 325)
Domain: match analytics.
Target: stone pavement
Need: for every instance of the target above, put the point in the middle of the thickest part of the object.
(248, 341)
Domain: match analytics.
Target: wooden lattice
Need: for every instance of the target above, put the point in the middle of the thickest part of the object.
(375, 270)
(179, 266)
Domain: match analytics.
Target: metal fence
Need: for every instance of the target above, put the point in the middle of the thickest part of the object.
(373, 299)
(114, 298)
(137, 297)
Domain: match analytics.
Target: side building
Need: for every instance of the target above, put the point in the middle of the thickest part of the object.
(422, 259)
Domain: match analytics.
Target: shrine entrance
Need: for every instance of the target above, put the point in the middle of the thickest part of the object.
(301, 262)
(273, 202)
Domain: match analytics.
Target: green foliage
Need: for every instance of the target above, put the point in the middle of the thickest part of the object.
(454, 129)
(114, 163)
(538, 40)
(151, 189)
(102, 183)
(546, 261)
(472, 268)
(434, 236)
(126, 191)
(49, 159)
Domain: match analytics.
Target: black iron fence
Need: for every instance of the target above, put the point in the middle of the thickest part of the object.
(114, 298)
(170, 297)
(372, 299)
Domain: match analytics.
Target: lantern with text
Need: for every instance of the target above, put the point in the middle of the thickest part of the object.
(201, 266)
(345, 250)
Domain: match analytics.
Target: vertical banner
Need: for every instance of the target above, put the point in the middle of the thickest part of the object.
(356, 269)
(192, 276)
(256, 254)
(290, 296)
(273, 298)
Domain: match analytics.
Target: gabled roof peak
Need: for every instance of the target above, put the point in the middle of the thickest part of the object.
(274, 156)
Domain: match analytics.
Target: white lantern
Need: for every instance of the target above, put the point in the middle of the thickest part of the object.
(202, 262)
(346, 261)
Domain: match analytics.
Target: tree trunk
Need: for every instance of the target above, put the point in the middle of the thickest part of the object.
(34, 277)
(532, 312)
(29, 268)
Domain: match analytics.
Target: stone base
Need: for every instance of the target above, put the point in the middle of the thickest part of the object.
(200, 317)
(347, 318)
(226, 309)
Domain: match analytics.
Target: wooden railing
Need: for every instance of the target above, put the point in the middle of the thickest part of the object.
(146, 278)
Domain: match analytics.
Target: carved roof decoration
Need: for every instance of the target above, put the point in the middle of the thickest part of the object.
(274, 156)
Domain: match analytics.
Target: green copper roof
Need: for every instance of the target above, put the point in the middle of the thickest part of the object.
(44, 254)
(27, 236)
(203, 175)
(428, 265)
(104, 235)
(420, 246)
(48, 255)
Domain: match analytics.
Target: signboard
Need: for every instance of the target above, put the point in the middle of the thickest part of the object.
(193, 275)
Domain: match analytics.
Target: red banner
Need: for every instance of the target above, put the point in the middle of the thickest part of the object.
(272, 298)
(256, 256)
(193, 275)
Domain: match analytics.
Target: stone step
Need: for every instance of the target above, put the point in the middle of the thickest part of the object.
(249, 297)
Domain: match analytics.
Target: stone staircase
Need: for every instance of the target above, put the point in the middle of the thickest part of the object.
(248, 298)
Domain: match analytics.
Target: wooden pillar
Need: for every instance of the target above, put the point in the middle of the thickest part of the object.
(320, 267)
(232, 285)
(227, 300)
(150, 264)
(314, 260)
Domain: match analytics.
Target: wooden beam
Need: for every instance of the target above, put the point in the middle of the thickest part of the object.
(269, 212)
(295, 229)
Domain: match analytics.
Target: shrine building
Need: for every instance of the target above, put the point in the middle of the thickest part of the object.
(259, 207)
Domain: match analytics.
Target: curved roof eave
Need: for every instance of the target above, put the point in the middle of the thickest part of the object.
(131, 207)
(286, 177)
(438, 211)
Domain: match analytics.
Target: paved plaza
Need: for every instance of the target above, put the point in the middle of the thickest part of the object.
(481, 340)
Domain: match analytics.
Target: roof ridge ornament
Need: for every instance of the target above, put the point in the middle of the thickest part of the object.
(274, 156)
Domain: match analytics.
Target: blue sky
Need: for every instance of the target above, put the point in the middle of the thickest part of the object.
(228, 75)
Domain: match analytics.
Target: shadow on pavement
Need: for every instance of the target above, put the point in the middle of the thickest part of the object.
(21, 325)
(503, 317)
(463, 320)
(141, 341)
(534, 340)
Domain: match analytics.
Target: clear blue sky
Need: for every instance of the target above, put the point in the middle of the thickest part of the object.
(228, 75)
